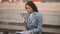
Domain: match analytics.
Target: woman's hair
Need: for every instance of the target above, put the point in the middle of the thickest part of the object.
(32, 5)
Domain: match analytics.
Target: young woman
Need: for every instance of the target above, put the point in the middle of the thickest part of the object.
(33, 19)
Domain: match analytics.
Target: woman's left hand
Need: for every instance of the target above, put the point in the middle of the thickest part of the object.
(28, 32)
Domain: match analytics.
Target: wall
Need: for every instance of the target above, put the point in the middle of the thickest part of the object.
(50, 12)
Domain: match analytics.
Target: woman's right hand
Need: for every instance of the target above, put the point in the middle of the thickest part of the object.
(24, 16)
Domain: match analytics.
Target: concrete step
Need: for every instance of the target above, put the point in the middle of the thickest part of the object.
(51, 30)
(17, 28)
(12, 27)
(2, 33)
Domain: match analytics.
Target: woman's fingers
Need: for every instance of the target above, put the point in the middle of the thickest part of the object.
(23, 15)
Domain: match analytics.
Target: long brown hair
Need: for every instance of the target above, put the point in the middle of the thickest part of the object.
(32, 5)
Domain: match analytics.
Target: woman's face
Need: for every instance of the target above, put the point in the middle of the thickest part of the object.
(29, 9)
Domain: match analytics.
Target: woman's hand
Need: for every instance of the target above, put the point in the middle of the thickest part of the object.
(24, 16)
(27, 32)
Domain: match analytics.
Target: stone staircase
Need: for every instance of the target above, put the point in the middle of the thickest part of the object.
(48, 29)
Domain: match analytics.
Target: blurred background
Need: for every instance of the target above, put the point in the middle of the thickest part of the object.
(11, 20)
